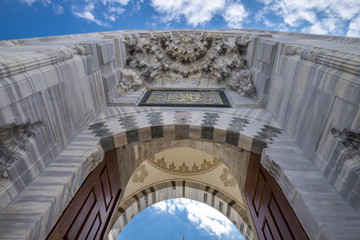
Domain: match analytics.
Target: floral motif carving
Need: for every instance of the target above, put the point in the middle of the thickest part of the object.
(197, 58)
(184, 168)
(227, 178)
(139, 174)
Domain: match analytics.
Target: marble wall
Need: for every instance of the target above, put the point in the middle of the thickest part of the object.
(55, 86)
(313, 90)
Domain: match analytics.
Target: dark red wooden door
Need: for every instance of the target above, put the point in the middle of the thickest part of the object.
(89, 212)
(272, 214)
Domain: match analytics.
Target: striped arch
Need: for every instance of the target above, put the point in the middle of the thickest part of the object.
(229, 138)
(215, 198)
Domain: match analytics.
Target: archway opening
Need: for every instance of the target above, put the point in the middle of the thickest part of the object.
(177, 218)
(184, 172)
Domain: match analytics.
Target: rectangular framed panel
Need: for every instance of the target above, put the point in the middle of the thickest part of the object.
(90, 211)
(185, 98)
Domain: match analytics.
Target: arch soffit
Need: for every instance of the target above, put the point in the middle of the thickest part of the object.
(132, 156)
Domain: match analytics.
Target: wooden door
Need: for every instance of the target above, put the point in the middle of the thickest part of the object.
(90, 211)
(271, 212)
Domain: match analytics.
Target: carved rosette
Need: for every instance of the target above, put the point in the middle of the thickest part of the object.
(196, 59)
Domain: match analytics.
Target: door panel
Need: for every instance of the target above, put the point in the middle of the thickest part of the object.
(272, 214)
(89, 212)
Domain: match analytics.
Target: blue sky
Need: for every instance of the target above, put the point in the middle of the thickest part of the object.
(36, 18)
(171, 219)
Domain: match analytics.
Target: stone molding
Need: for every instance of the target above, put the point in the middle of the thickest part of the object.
(11, 65)
(341, 61)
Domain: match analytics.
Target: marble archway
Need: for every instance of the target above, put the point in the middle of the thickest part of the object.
(192, 190)
(185, 172)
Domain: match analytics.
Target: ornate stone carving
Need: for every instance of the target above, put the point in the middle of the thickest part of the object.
(130, 82)
(241, 83)
(349, 139)
(13, 141)
(196, 59)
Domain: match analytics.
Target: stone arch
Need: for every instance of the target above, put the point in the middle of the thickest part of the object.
(215, 198)
(131, 156)
(136, 139)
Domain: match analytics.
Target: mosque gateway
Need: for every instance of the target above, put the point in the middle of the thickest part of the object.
(262, 126)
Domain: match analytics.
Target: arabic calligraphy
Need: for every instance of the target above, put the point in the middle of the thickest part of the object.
(185, 97)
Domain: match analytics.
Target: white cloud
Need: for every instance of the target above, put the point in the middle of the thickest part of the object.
(325, 26)
(112, 13)
(205, 217)
(354, 27)
(160, 206)
(44, 2)
(58, 9)
(122, 2)
(110, 17)
(137, 5)
(320, 16)
(29, 2)
(196, 12)
(117, 10)
(86, 13)
(235, 15)
(199, 12)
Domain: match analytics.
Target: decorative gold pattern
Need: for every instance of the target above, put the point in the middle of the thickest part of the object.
(184, 168)
(139, 174)
(184, 97)
(227, 178)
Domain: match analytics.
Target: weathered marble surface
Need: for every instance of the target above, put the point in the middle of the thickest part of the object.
(306, 85)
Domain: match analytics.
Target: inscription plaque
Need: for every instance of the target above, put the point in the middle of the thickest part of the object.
(185, 98)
